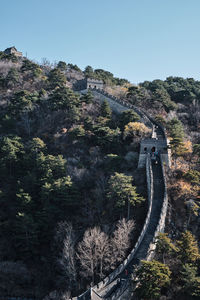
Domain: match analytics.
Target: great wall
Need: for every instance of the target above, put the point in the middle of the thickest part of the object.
(117, 284)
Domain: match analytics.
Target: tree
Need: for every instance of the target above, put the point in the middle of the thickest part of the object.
(164, 245)
(89, 72)
(63, 98)
(161, 95)
(67, 259)
(121, 240)
(190, 280)
(56, 79)
(121, 190)
(87, 98)
(103, 253)
(77, 132)
(188, 250)
(33, 69)
(58, 191)
(36, 145)
(112, 162)
(137, 94)
(11, 149)
(136, 129)
(176, 128)
(151, 277)
(106, 110)
(160, 119)
(62, 65)
(49, 167)
(196, 151)
(92, 252)
(177, 134)
(128, 116)
(20, 103)
(106, 137)
(193, 176)
(74, 67)
(12, 79)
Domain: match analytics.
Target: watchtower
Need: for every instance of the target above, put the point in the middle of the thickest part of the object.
(13, 50)
(151, 146)
(88, 83)
(94, 84)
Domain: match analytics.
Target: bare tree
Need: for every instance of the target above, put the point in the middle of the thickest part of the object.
(93, 252)
(103, 252)
(65, 233)
(121, 239)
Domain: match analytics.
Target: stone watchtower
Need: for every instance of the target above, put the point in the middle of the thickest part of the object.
(157, 144)
(94, 84)
(88, 83)
(13, 51)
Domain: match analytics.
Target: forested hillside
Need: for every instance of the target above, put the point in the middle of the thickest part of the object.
(72, 199)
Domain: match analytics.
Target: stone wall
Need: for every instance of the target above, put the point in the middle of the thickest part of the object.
(161, 223)
(118, 105)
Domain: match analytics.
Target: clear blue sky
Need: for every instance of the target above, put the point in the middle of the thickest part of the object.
(134, 39)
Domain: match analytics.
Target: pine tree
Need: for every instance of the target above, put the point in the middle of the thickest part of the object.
(151, 277)
(106, 110)
(164, 245)
(190, 280)
(188, 248)
(120, 189)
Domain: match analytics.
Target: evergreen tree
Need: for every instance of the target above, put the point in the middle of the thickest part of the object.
(190, 280)
(12, 77)
(121, 190)
(188, 250)
(20, 103)
(87, 98)
(89, 72)
(152, 276)
(63, 98)
(106, 110)
(164, 245)
(62, 65)
(56, 79)
(128, 116)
